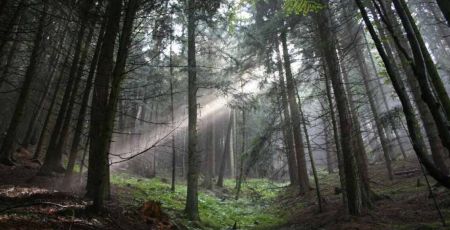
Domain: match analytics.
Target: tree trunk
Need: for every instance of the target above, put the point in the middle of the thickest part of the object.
(210, 151)
(83, 158)
(54, 58)
(337, 142)
(11, 55)
(444, 5)
(8, 143)
(412, 123)
(311, 158)
(193, 156)
(373, 108)
(421, 68)
(287, 126)
(428, 61)
(174, 153)
(12, 21)
(295, 116)
(330, 160)
(359, 148)
(64, 134)
(352, 177)
(3, 5)
(438, 151)
(226, 150)
(42, 137)
(233, 147)
(362, 67)
(384, 99)
(83, 107)
(99, 134)
(241, 157)
(53, 157)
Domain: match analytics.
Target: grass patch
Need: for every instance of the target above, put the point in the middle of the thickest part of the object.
(218, 210)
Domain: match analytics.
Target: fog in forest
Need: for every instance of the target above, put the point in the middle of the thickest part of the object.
(224, 114)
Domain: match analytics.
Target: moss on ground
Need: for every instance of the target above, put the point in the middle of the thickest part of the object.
(218, 208)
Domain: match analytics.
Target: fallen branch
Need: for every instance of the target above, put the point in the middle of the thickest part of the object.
(31, 204)
(408, 172)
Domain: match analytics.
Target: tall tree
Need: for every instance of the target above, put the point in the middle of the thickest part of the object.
(104, 104)
(83, 108)
(287, 125)
(53, 103)
(8, 143)
(53, 157)
(384, 98)
(226, 150)
(438, 151)
(295, 117)
(193, 156)
(355, 190)
(311, 157)
(411, 120)
(424, 71)
(6, 32)
(54, 58)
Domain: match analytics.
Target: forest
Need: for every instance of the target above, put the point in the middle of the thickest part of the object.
(225, 114)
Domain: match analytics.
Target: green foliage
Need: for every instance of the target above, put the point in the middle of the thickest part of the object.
(302, 7)
(252, 211)
(232, 21)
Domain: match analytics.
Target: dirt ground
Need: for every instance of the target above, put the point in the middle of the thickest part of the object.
(29, 201)
(404, 203)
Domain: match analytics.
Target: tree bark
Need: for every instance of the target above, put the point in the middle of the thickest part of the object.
(352, 177)
(412, 123)
(174, 153)
(444, 5)
(53, 157)
(54, 58)
(99, 132)
(362, 67)
(438, 151)
(3, 5)
(241, 157)
(12, 21)
(83, 108)
(330, 167)
(428, 61)
(295, 117)
(287, 125)
(359, 147)
(8, 143)
(191, 208)
(384, 99)
(226, 150)
(42, 137)
(336, 138)
(210, 151)
(311, 158)
(11, 55)
(422, 70)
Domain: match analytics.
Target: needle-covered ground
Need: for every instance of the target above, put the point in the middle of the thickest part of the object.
(402, 204)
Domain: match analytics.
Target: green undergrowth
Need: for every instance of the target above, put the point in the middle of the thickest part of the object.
(256, 208)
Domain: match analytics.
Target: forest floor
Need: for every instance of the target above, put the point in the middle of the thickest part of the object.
(28, 201)
(403, 204)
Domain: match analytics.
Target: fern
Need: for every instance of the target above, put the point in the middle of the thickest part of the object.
(302, 6)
